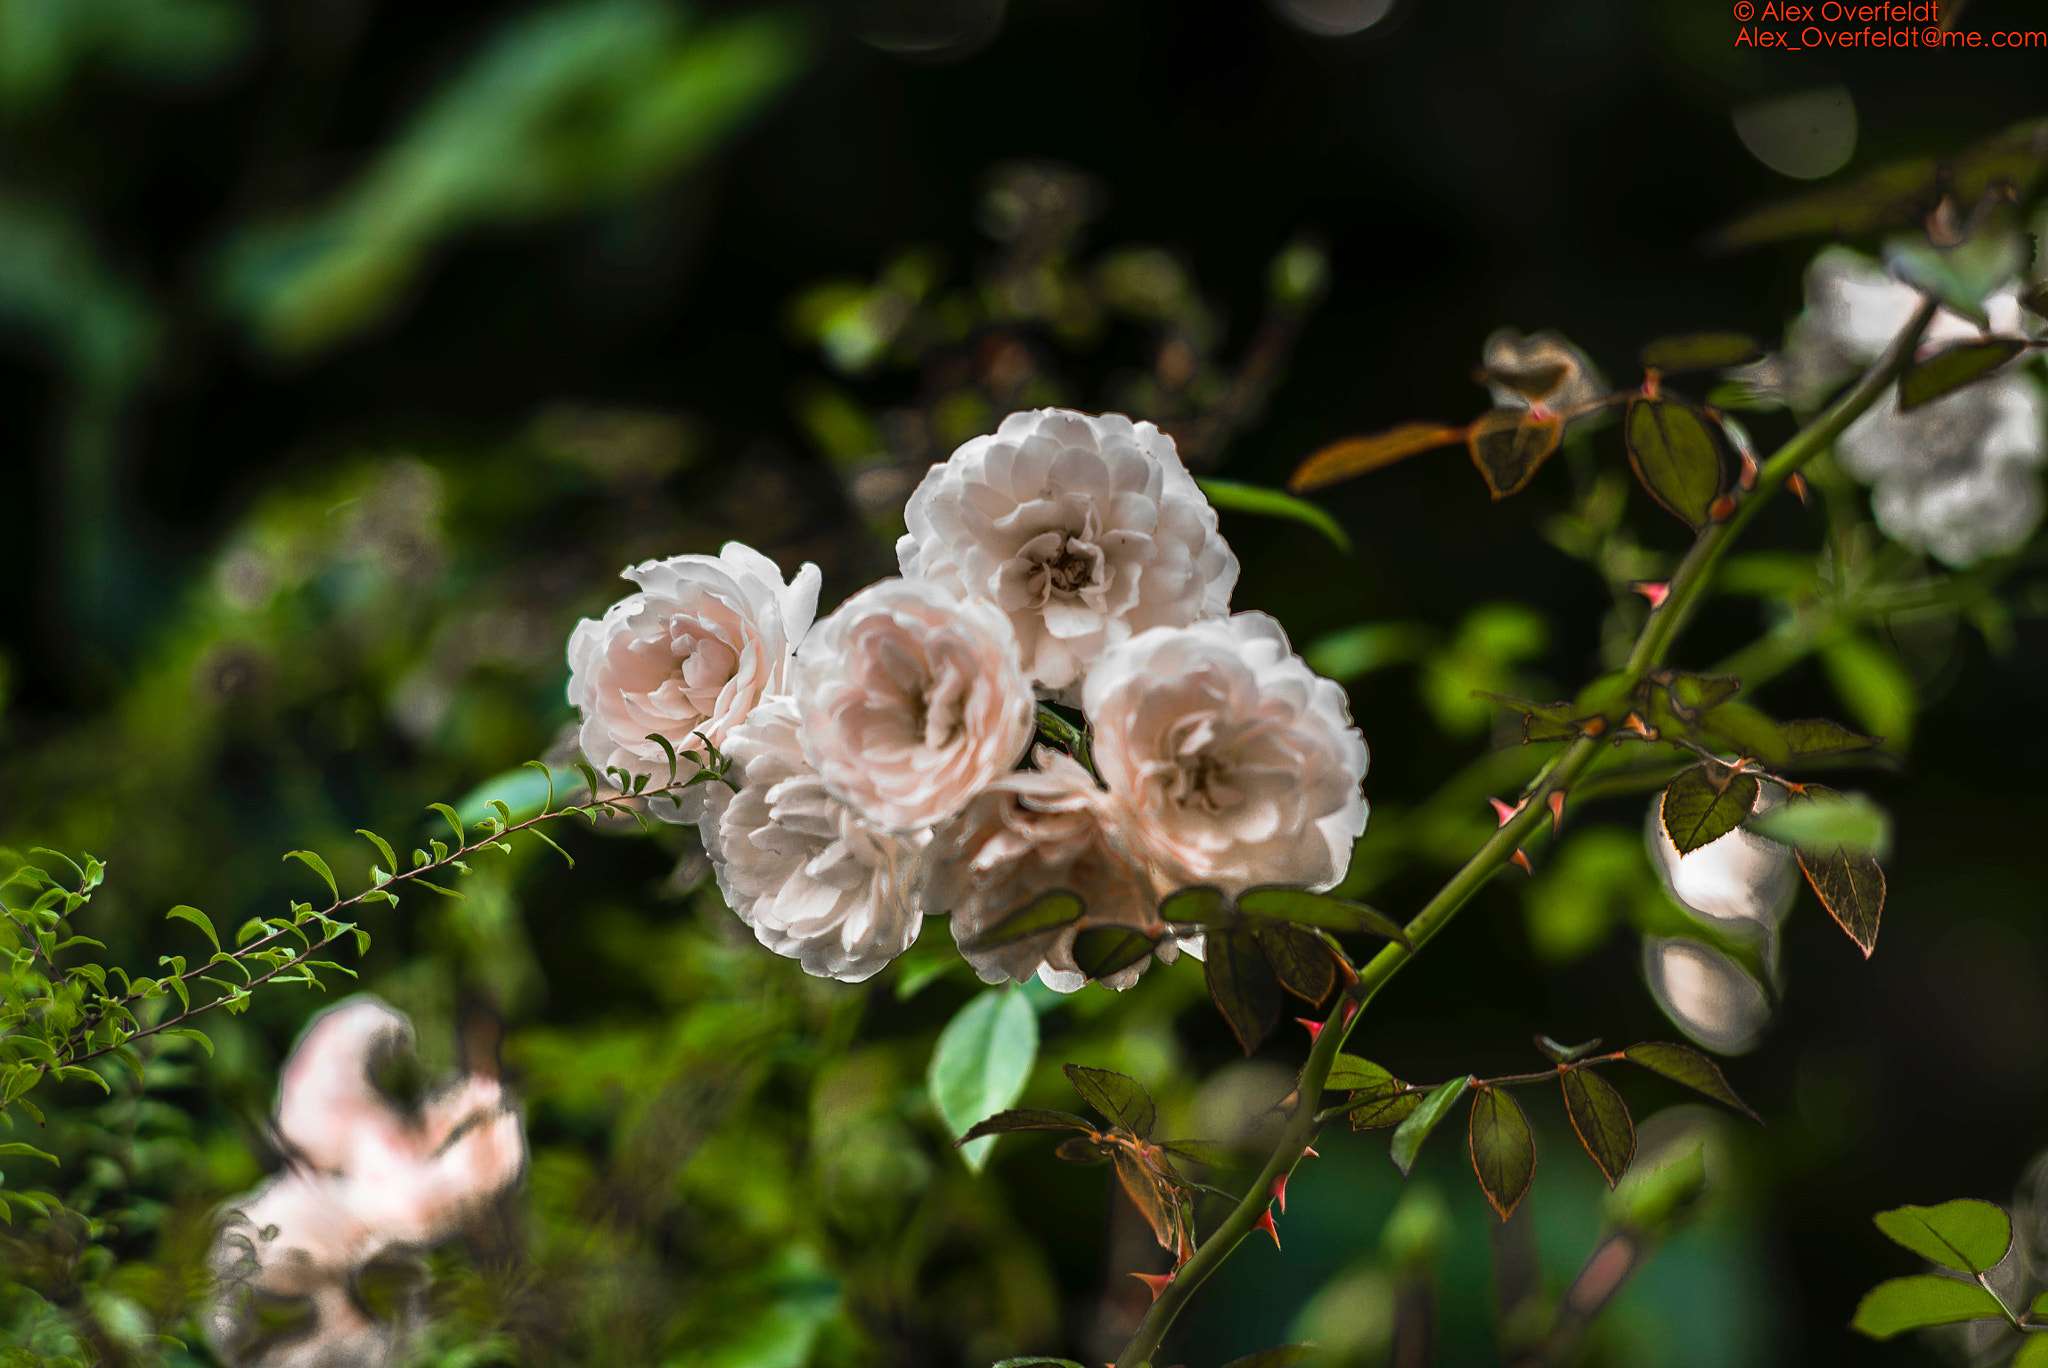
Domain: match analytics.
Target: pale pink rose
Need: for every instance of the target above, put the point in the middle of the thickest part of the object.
(799, 866)
(704, 641)
(1028, 833)
(1234, 763)
(1083, 529)
(912, 702)
(362, 1181)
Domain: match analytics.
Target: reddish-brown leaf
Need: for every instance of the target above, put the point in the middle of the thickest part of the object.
(1341, 460)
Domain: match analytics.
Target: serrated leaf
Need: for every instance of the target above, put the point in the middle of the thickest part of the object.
(981, 1063)
(1283, 1356)
(1967, 1235)
(1100, 951)
(1026, 1119)
(1565, 1054)
(1200, 906)
(1851, 888)
(1813, 737)
(1902, 1304)
(1699, 351)
(1352, 456)
(1510, 445)
(1705, 803)
(1274, 503)
(1300, 960)
(1350, 1073)
(1120, 1098)
(1210, 1152)
(1684, 1064)
(1953, 367)
(1154, 1200)
(1601, 1118)
(312, 861)
(1693, 694)
(1410, 1134)
(197, 918)
(1242, 985)
(1048, 911)
(1503, 1149)
(1319, 909)
(1682, 457)
(1081, 1149)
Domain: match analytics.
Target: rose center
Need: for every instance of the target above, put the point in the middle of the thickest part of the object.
(1078, 566)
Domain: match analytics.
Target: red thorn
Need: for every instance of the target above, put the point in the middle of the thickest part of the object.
(1310, 1151)
(1797, 484)
(1747, 479)
(1280, 1193)
(1721, 507)
(1503, 811)
(1521, 857)
(1350, 1011)
(1155, 1281)
(1265, 1223)
(1639, 727)
(1656, 591)
(1556, 811)
(1315, 1028)
(1651, 381)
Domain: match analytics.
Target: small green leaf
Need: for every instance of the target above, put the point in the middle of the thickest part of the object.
(197, 918)
(1320, 909)
(549, 841)
(1503, 1150)
(1242, 985)
(1693, 694)
(1698, 352)
(450, 816)
(1813, 737)
(1509, 445)
(1100, 951)
(1902, 1304)
(1300, 959)
(1851, 888)
(1953, 367)
(319, 866)
(2033, 1353)
(198, 1038)
(1565, 1054)
(1684, 1064)
(1602, 1121)
(1967, 1235)
(1026, 1119)
(1705, 803)
(383, 848)
(668, 749)
(1681, 455)
(1349, 1073)
(14, 1149)
(1273, 503)
(1410, 1134)
(1823, 821)
(981, 1063)
(1199, 906)
(1048, 911)
(1120, 1098)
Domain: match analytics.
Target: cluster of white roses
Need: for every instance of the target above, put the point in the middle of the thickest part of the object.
(880, 756)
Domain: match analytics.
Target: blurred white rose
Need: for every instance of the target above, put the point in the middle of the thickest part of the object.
(702, 643)
(363, 1181)
(1742, 881)
(1707, 995)
(1955, 478)
(1574, 383)
(912, 702)
(1235, 764)
(1029, 833)
(815, 882)
(1084, 529)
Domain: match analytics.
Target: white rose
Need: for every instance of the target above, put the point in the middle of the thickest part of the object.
(1706, 994)
(1235, 763)
(1578, 383)
(1085, 530)
(1742, 881)
(912, 701)
(1029, 833)
(815, 882)
(702, 643)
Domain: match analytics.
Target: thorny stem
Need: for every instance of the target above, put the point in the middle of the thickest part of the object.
(1687, 586)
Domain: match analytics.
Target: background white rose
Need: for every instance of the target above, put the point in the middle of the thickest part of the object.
(815, 882)
(1235, 763)
(1084, 529)
(702, 643)
(913, 701)
(1029, 833)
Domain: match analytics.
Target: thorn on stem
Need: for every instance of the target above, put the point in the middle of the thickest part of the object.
(1501, 810)
(1797, 483)
(1265, 1223)
(1556, 801)
(1521, 857)
(1280, 1193)
(1310, 1151)
(1314, 1028)
(1656, 591)
(1156, 1282)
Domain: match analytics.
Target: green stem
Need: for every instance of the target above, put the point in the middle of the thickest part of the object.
(1688, 585)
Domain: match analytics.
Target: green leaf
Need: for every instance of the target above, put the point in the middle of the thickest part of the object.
(1285, 1356)
(1300, 959)
(1824, 821)
(1699, 351)
(1373, 1111)
(1410, 1134)
(1693, 694)
(1851, 888)
(2033, 1353)
(1813, 737)
(319, 866)
(1349, 1073)
(667, 749)
(1953, 367)
(197, 918)
(1601, 1118)
(1705, 803)
(981, 1063)
(449, 815)
(1684, 1064)
(1242, 985)
(1902, 1304)
(1200, 906)
(199, 1038)
(1354, 652)
(1120, 1098)
(1100, 951)
(1026, 1119)
(1565, 1054)
(1873, 683)
(1036, 1361)
(383, 848)
(1048, 911)
(1682, 457)
(1209, 1152)
(1509, 445)
(1967, 1235)
(1273, 503)
(1320, 909)
(1503, 1150)
(14, 1149)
